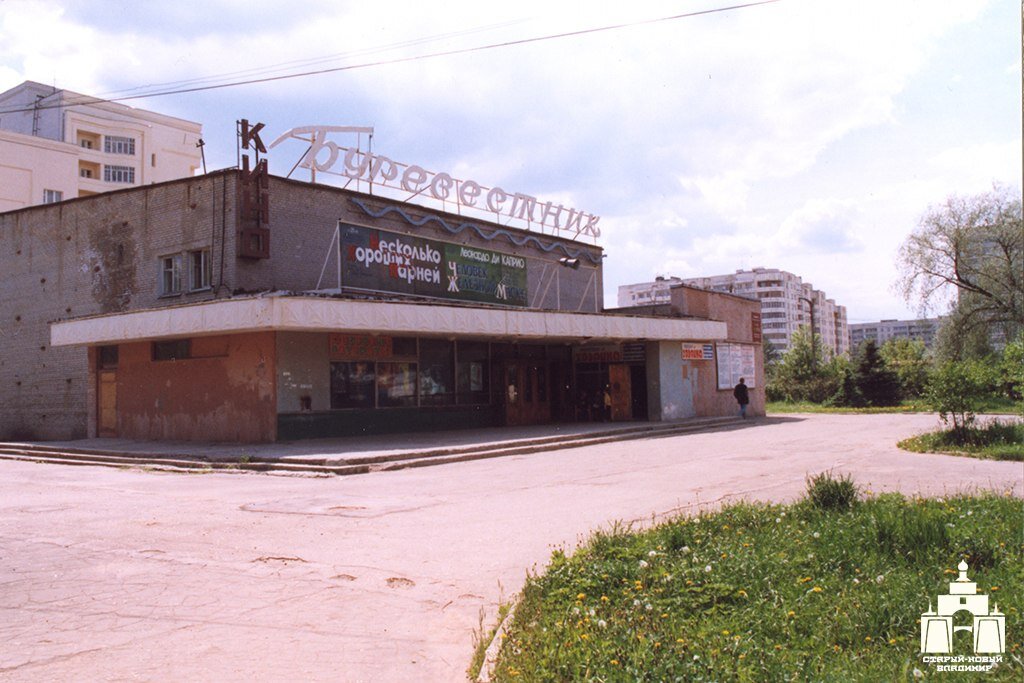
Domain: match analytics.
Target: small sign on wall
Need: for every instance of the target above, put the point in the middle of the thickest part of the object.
(359, 347)
(698, 351)
(755, 327)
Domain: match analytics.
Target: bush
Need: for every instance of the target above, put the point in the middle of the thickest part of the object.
(955, 390)
(827, 493)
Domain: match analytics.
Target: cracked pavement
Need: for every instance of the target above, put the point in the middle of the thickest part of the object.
(126, 575)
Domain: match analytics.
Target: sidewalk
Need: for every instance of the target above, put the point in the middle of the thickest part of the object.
(354, 455)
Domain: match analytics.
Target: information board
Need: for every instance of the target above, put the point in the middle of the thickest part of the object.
(381, 261)
(735, 361)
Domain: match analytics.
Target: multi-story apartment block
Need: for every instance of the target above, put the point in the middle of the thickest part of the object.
(880, 332)
(787, 303)
(57, 144)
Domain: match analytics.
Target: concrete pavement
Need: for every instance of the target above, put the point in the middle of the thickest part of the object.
(113, 574)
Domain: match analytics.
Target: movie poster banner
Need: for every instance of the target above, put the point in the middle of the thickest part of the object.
(382, 261)
(735, 361)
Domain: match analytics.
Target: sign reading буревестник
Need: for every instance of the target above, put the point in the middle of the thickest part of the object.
(382, 261)
(375, 168)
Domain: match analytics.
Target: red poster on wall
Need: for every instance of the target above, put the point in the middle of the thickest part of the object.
(755, 327)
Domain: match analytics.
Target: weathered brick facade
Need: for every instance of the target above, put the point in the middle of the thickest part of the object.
(101, 254)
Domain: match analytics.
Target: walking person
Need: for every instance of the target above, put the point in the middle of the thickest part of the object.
(742, 397)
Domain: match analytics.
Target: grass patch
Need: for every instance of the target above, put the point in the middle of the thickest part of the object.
(782, 407)
(990, 404)
(768, 593)
(482, 638)
(997, 440)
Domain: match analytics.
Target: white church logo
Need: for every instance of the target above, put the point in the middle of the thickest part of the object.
(963, 602)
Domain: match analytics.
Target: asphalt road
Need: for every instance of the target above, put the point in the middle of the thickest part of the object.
(127, 575)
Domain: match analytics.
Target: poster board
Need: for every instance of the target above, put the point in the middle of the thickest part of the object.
(382, 261)
(735, 361)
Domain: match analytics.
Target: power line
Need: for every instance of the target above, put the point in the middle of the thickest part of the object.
(397, 60)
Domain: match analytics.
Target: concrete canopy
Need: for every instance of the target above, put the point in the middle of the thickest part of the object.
(319, 314)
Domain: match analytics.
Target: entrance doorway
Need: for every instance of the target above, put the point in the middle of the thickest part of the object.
(527, 386)
(106, 391)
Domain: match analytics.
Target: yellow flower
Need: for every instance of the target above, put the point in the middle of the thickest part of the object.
(615, 662)
(725, 631)
(657, 645)
(743, 593)
(892, 641)
(867, 639)
(816, 589)
(604, 598)
(581, 596)
(806, 579)
(778, 647)
(680, 640)
(835, 648)
(584, 636)
(790, 613)
(995, 588)
(664, 615)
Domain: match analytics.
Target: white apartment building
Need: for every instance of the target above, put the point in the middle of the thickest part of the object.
(924, 330)
(57, 144)
(786, 303)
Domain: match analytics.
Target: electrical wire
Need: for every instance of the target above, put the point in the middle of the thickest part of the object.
(398, 60)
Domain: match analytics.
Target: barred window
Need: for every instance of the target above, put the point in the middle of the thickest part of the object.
(116, 144)
(119, 174)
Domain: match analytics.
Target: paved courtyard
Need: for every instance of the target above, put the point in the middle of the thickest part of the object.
(130, 575)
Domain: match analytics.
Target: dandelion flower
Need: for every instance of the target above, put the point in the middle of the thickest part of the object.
(880, 578)
(581, 596)
(643, 564)
(636, 603)
(602, 623)
(816, 589)
(817, 534)
(707, 568)
(685, 549)
(652, 553)
(604, 598)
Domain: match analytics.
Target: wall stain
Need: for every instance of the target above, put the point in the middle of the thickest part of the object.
(112, 259)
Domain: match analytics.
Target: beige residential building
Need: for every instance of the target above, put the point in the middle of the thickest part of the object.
(57, 144)
(787, 303)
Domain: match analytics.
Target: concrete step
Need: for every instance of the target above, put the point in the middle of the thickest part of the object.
(36, 452)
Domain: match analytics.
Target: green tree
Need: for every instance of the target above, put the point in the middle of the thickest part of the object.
(955, 390)
(1011, 370)
(802, 374)
(967, 255)
(876, 383)
(908, 359)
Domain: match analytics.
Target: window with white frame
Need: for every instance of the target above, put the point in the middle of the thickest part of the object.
(170, 275)
(117, 144)
(118, 174)
(52, 196)
(199, 269)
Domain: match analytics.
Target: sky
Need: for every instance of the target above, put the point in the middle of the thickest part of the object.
(806, 135)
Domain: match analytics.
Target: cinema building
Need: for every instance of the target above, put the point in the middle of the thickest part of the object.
(239, 306)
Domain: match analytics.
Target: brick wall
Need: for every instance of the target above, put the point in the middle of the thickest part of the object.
(100, 254)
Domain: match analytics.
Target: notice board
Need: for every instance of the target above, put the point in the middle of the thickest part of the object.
(735, 361)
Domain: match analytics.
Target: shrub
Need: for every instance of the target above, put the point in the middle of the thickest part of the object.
(955, 391)
(828, 493)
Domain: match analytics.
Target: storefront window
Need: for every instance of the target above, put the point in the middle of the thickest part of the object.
(437, 372)
(472, 373)
(396, 384)
(352, 385)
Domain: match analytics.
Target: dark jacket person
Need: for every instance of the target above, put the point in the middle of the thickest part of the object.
(742, 396)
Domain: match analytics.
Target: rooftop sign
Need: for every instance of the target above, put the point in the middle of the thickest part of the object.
(327, 156)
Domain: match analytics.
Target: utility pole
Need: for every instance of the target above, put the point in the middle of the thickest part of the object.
(814, 347)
